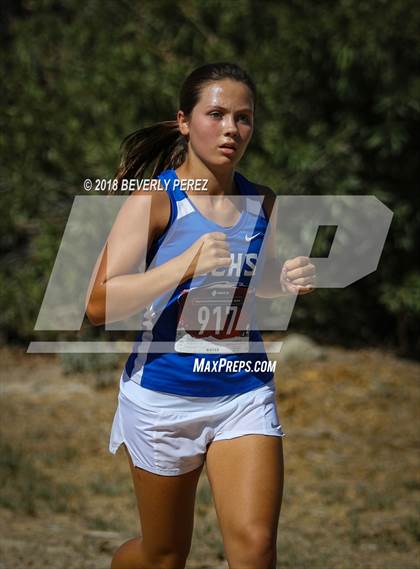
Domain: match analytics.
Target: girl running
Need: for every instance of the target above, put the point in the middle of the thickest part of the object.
(197, 387)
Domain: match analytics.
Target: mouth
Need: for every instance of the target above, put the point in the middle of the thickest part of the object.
(229, 145)
(228, 148)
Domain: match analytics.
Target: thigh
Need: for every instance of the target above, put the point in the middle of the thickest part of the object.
(246, 477)
(166, 509)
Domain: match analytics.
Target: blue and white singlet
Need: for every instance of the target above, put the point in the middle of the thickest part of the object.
(198, 320)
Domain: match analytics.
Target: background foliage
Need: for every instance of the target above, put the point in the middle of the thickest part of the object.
(338, 113)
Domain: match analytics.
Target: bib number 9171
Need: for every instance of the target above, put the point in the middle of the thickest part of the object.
(211, 311)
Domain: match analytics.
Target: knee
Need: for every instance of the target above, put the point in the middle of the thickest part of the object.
(134, 553)
(256, 548)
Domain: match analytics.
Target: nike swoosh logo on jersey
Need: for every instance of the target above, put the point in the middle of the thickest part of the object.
(252, 236)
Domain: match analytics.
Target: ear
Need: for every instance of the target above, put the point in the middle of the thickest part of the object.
(183, 123)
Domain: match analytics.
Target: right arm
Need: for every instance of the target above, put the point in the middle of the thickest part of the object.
(130, 238)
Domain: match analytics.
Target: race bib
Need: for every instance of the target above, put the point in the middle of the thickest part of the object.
(208, 317)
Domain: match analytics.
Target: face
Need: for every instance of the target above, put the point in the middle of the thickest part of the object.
(224, 114)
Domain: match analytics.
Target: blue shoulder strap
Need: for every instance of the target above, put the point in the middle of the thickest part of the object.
(167, 176)
(249, 189)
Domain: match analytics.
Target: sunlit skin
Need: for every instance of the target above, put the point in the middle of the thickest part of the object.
(248, 519)
(224, 113)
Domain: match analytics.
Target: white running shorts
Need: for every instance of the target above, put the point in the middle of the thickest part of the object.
(168, 434)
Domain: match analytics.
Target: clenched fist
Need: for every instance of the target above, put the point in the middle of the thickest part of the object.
(298, 276)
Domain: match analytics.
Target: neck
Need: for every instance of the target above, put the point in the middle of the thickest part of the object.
(220, 181)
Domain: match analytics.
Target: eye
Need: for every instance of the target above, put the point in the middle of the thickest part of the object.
(244, 118)
(217, 113)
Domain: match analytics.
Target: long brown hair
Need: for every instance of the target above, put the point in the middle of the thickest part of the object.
(162, 145)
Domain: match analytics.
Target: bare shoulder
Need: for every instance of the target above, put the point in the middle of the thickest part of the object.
(160, 207)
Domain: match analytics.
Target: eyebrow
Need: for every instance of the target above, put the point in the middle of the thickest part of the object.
(246, 109)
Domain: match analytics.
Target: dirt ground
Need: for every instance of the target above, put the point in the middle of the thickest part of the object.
(352, 485)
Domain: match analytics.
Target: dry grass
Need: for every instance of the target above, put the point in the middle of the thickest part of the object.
(352, 482)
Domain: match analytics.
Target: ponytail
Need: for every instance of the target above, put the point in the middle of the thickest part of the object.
(161, 145)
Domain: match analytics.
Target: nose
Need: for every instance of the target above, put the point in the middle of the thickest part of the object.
(229, 126)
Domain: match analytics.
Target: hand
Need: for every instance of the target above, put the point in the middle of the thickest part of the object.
(209, 252)
(298, 276)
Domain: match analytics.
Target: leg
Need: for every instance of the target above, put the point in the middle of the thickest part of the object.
(246, 477)
(166, 509)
